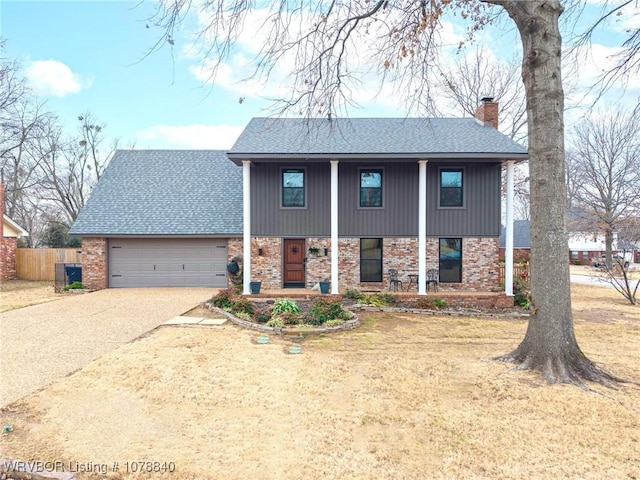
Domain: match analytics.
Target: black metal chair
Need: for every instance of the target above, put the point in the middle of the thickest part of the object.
(394, 281)
(432, 279)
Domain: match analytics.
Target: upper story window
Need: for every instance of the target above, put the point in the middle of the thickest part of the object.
(293, 187)
(451, 191)
(370, 188)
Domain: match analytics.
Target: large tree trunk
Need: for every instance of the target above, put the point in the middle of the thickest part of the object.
(549, 345)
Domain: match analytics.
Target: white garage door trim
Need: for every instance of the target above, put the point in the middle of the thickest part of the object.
(167, 262)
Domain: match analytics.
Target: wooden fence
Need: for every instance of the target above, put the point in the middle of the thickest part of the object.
(520, 272)
(39, 263)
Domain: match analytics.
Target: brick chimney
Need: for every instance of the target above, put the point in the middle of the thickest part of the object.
(487, 111)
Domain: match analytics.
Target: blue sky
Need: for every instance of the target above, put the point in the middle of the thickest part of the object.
(90, 56)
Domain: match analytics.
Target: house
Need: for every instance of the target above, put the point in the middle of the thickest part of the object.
(161, 218)
(9, 235)
(521, 240)
(310, 200)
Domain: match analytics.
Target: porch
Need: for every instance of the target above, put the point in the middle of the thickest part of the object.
(454, 299)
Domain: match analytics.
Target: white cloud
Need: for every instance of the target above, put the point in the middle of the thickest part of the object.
(54, 78)
(365, 72)
(217, 137)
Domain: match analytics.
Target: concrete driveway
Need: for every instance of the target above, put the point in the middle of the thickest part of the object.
(43, 342)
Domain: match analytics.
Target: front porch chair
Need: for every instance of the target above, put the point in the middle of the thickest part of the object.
(432, 279)
(394, 281)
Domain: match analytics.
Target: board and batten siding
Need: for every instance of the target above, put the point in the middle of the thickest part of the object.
(268, 218)
(398, 217)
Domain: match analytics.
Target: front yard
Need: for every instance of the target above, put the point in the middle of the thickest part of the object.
(402, 396)
(22, 293)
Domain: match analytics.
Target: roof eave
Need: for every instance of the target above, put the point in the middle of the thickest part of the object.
(21, 231)
(237, 157)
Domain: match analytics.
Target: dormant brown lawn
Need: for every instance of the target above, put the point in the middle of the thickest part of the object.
(403, 396)
(22, 293)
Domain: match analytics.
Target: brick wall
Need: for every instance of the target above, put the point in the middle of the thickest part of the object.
(480, 265)
(94, 262)
(480, 271)
(8, 246)
(267, 267)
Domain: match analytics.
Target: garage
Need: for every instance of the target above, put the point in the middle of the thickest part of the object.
(167, 262)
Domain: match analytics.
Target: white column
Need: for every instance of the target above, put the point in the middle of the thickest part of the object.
(422, 227)
(246, 226)
(508, 250)
(334, 227)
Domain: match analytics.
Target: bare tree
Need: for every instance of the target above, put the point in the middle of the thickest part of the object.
(626, 64)
(24, 124)
(327, 42)
(478, 75)
(12, 85)
(72, 167)
(606, 163)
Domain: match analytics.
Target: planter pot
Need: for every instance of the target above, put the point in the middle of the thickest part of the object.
(324, 287)
(255, 287)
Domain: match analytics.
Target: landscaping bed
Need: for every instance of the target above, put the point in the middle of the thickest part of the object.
(285, 315)
(329, 313)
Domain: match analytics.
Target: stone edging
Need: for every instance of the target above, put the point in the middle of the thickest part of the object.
(421, 311)
(347, 325)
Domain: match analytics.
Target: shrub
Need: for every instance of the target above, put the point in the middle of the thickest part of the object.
(242, 305)
(229, 300)
(379, 299)
(282, 305)
(262, 315)
(243, 316)
(74, 286)
(334, 323)
(224, 298)
(275, 322)
(521, 290)
(430, 303)
(289, 318)
(325, 309)
(353, 294)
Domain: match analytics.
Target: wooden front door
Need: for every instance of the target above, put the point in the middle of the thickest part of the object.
(294, 262)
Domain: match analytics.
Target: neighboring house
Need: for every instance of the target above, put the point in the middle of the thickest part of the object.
(304, 201)
(521, 240)
(9, 235)
(585, 246)
(161, 218)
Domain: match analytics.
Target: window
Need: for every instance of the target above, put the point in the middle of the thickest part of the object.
(574, 255)
(451, 188)
(293, 187)
(370, 259)
(370, 188)
(450, 260)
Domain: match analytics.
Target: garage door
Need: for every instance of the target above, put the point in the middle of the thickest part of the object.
(164, 262)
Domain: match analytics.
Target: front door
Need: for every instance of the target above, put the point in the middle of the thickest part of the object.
(294, 261)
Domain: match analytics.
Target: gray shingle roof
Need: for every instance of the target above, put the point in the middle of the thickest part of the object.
(165, 192)
(388, 137)
(521, 234)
